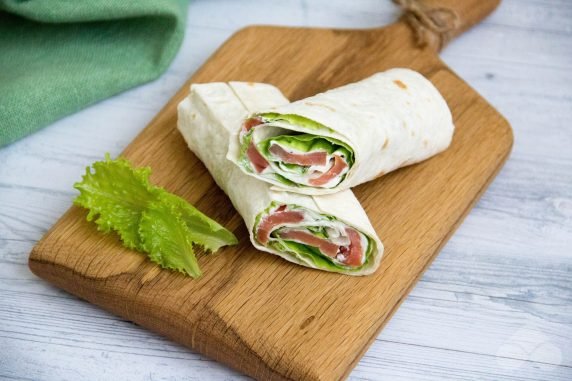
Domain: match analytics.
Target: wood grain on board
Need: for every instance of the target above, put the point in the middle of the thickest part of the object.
(254, 311)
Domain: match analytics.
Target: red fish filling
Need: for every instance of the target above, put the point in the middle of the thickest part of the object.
(304, 159)
(250, 123)
(335, 170)
(325, 246)
(318, 158)
(258, 161)
(277, 218)
(350, 255)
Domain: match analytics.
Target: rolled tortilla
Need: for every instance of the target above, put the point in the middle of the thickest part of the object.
(346, 136)
(331, 233)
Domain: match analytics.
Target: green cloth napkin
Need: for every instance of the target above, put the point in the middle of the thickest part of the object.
(58, 56)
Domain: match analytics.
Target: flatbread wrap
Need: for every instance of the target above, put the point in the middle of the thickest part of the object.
(346, 136)
(330, 233)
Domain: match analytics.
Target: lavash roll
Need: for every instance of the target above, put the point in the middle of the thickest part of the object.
(389, 120)
(208, 118)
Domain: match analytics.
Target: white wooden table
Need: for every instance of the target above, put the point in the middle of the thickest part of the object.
(495, 305)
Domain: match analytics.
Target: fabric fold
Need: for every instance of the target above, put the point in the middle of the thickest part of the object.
(59, 57)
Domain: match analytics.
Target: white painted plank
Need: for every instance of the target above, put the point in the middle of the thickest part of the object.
(454, 300)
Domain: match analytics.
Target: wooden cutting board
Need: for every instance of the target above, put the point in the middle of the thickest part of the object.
(256, 312)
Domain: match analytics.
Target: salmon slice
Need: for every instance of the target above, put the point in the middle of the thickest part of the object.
(251, 122)
(326, 247)
(354, 256)
(269, 222)
(338, 167)
(304, 159)
(258, 161)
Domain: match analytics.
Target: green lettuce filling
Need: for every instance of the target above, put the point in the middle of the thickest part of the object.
(294, 119)
(306, 253)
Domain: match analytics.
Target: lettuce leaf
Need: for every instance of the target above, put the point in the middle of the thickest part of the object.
(202, 230)
(146, 217)
(310, 253)
(167, 238)
(294, 119)
(116, 194)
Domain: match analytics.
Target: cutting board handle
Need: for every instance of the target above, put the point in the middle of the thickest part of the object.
(436, 22)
